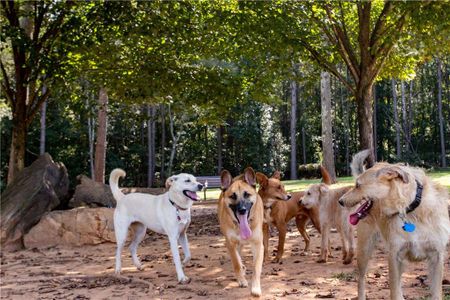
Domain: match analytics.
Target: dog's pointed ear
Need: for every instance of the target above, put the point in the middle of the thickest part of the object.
(323, 188)
(249, 176)
(390, 173)
(170, 180)
(225, 179)
(276, 175)
(262, 179)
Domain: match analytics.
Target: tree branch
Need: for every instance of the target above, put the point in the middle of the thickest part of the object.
(345, 48)
(379, 28)
(35, 108)
(7, 86)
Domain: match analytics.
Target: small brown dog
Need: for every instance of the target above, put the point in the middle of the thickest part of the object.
(321, 197)
(411, 213)
(280, 208)
(240, 212)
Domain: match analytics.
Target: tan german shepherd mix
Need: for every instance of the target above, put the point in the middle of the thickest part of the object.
(240, 214)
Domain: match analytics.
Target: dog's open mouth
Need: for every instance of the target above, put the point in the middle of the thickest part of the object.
(361, 212)
(191, 195)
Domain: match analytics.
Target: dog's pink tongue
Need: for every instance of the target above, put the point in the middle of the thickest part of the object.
(356, 216)
(193, 195)
(244, 229)
(353, 219)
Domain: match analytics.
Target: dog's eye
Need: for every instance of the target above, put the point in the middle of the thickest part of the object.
(279, 187)
(246, 195)
(308, 193)
(357, 185)
(187, 180)
(233, 196)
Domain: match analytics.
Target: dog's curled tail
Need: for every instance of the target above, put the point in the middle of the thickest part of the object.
(357, 164)
(114, 183)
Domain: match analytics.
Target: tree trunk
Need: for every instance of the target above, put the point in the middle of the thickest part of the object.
(375, 123)
(91, 137)
(219, 133)
(163, 143)
(17, 151)
(404, 117)
(293, 130)
(175, 139)
(327, 131)
(43, 127)
(151, 137)
(100, 146)
(441, 120)
(397, 125)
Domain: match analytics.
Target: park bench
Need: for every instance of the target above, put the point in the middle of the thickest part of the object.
(209, 182)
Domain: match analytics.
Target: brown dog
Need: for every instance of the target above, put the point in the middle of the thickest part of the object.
(241, 217)
(411, 213)
(280, 208)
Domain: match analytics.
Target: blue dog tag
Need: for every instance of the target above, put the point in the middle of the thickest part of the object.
(409, 227)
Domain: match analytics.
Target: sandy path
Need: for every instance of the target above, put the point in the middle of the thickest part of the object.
(88, 272)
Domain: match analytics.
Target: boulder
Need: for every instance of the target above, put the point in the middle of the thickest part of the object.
(91, 194)
(36, 190)
(75, 227)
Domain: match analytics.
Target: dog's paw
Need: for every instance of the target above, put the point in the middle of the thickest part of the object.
(256, 292)
(347, 261)
(242, 283)
(184, 280)
(140, 267)
(186, 260)
(277, 260)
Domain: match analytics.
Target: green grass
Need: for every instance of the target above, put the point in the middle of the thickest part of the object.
(443, 177)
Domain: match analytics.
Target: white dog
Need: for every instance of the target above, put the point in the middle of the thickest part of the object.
(167, 214)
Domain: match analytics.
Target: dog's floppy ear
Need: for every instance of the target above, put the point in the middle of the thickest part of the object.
(390, 173)
(225, 179)
(276, 175)
(249, 176)
(170, 180)
(262, 179)
(323, 188)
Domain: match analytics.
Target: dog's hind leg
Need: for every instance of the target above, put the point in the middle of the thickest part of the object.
(139, 234)
(301, 226)
(367, 238)
(237, 263)
(121, 231)
(185, 246)
(324, 246)
(257, 251)
(435, 274)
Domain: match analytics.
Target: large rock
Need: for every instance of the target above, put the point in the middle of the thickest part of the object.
(75, 227)
(36, 190)
(91, 194)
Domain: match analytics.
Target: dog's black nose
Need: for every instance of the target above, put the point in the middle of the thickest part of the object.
(341, 202)
(200, 186)
(289, 196)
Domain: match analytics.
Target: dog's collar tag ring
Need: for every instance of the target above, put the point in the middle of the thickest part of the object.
(407, 226)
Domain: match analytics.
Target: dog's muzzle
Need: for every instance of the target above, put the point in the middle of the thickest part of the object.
(241, 208)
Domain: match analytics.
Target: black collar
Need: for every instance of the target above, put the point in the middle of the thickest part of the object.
(417, 200)
(177, 206)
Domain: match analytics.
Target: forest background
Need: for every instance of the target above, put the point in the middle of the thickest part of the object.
(158, 88)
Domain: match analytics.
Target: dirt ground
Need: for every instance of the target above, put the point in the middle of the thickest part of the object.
(88, 272)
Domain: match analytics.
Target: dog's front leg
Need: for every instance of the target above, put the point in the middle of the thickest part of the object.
(173, 241)
(395, 274)
(183, 240)
(324, 251)
(266, 240)
(367, 238)
(436, 272)
(282, 230)
(257, 251)
(237, 263)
